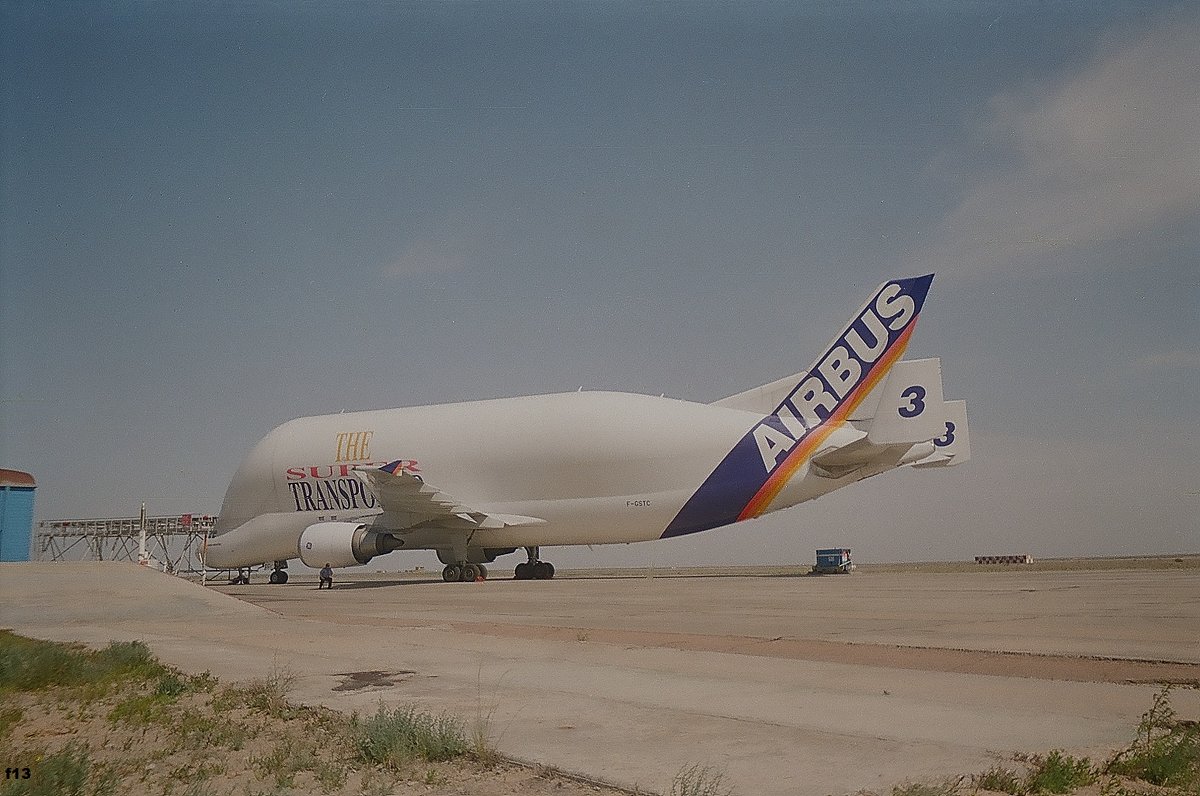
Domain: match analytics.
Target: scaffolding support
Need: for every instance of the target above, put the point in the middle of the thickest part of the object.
(174, 544)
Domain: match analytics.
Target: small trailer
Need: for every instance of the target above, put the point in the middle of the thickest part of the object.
(833, 561)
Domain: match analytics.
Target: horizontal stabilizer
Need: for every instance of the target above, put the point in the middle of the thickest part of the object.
(910, 406)
(858, 455)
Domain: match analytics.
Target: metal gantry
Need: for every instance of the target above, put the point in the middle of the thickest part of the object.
(175, 544)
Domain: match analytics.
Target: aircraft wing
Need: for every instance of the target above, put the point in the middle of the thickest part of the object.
(409, 501)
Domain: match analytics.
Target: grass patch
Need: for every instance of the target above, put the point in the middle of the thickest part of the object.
(268, 695)
(698, 780)
(1000, 779)
(947, 787)
(68, 772)
(199, 729)
(1058, 772)
(31, 665)
(393, 738)
(10, 717)
(155, 730)
(284, 762)
(1166, 752)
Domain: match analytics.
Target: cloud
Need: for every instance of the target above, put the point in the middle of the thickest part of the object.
(1172, 360)
(1096, 154)
(428, 257)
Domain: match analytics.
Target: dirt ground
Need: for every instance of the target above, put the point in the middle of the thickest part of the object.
(931, 659)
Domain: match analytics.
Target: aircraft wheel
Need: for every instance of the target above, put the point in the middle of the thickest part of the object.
(451, 573)
(469, 572)
(521, 572)
(278, 577)
(482, 571)
(543, 570)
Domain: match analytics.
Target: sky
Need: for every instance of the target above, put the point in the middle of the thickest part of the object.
(215, 217)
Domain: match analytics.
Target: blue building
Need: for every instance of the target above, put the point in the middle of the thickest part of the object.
(16, 515)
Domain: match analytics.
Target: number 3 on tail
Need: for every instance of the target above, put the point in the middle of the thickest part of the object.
(943, 441)
(916, 401)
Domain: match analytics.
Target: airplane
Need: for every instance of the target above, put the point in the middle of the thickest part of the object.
(481, 479)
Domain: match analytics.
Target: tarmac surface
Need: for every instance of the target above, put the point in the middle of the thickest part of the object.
(790, 685)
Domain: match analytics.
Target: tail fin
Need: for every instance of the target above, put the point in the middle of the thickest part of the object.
(800, 412)
(853, 364)
(908, 406)
(953, 446)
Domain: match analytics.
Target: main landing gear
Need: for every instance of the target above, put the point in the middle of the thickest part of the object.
(242, 578)
(533, 569)
(465, 572)
(280, 574)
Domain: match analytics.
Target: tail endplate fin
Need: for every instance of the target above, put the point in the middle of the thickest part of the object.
(909, 405)
(953, 445)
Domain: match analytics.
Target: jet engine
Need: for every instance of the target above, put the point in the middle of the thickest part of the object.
(343, 544)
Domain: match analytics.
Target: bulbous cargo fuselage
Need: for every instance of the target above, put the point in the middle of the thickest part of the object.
(475, 480)
(598, 467)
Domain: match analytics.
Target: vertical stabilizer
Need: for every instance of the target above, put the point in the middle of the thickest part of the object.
(800, 412)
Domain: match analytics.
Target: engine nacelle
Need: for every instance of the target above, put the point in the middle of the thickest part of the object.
(343, 544)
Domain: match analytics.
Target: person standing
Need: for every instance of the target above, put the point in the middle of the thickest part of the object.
(326, 577)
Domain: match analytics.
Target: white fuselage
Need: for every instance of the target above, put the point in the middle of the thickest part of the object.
(597, 467)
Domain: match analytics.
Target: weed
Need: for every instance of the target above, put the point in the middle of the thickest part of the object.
(330, 774)
(10, 717)
(195, 772)
(1000, 779)
(948, 787)
(543, 771)
(1166, 752)
(131, 658)
(197, 729)
(269, 694)
(483, 748)
(141, 709)
(170, 686)
(285, 761)
(377, 783)
(28, 665)
(203, 682)
(697, 780)
(392, 738)
(200, 788)
(67, 772)
(1058, 772)
(433, 778)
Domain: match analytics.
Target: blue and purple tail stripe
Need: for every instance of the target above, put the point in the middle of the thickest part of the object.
(752, 475)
